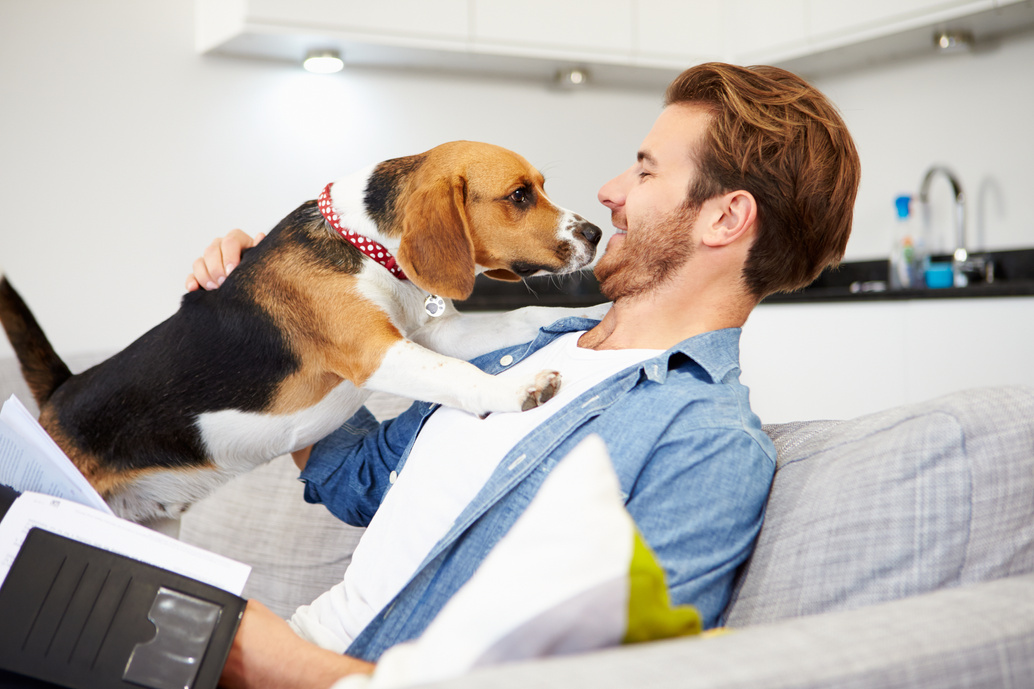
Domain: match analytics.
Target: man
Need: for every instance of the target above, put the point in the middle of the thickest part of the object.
(744, 186)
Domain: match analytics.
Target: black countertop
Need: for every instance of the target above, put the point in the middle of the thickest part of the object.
(852, 281)
(1013, 276)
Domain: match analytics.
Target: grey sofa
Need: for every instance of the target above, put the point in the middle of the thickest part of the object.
(897, 551)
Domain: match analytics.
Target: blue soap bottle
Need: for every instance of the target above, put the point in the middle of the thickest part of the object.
(904, 268)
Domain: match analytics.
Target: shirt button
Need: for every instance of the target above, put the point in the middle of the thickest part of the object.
(392, 477)
(506, 360)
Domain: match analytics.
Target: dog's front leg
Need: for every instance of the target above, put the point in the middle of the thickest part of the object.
(467, 335)
(413, 371)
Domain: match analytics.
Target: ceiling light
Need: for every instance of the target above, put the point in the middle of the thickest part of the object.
(572, 78)
(323, 62)
(953, 41)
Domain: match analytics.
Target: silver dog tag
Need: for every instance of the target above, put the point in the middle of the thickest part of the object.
(434, 305)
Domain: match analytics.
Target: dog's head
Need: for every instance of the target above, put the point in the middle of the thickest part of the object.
(465, 205)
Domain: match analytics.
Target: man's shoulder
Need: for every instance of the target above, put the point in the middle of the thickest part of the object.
(691, 401)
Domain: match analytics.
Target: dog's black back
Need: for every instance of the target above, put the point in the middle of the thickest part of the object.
(137, 408)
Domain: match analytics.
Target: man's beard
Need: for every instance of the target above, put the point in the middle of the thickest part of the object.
(650, 259)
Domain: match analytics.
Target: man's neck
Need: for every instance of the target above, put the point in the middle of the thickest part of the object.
(662, 318)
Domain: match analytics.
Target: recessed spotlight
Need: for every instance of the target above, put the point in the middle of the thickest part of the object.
(323, 62)
(953, 41)
(572, 78)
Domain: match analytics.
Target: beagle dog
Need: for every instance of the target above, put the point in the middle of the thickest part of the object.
(346, 295)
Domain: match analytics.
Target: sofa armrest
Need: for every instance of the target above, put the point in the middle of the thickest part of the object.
(974, 636)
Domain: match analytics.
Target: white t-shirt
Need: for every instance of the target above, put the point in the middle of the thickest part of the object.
(453, 457)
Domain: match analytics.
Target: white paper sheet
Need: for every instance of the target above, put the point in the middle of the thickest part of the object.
(30, 460)
(103, 530)
(56, 497)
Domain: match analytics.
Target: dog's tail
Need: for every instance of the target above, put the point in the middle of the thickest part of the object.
(42, 368)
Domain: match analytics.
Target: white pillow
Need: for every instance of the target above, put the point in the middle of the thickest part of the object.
(572, 575)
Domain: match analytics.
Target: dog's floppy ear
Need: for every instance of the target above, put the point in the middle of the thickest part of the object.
(502, 274)
(436, 251)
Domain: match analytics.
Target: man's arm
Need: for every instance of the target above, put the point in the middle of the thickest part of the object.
(267, 654)
(699, 502)
(350, 470)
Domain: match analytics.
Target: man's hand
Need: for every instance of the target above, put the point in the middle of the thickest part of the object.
(267, 653)
(301, 457)
(219, 260)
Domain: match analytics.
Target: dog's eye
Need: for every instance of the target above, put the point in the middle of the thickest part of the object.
(519, 196)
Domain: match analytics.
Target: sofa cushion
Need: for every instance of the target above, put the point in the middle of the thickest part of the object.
(296, 550)
(969, 637)
(894, 504)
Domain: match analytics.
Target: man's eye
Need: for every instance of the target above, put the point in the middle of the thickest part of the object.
(519, 196)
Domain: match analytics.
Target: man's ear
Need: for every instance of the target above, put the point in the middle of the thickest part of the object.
(732, 216)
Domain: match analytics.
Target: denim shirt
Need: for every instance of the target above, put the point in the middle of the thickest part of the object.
(693, 463)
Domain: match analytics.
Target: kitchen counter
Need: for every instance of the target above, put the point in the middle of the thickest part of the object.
(867, 281)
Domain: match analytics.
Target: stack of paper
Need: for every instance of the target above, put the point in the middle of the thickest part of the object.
(56, 497)
(30, 460)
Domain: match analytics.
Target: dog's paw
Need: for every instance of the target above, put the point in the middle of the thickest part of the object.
(546, 385)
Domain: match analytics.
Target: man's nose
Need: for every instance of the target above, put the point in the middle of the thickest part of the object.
(612, 194)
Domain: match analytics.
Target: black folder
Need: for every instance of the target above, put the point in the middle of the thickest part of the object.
(76, 616)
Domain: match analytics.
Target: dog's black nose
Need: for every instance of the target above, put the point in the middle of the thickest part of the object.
(589, 232)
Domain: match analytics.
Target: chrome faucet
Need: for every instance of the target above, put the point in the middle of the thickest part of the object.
(960, 254)
(962, 265)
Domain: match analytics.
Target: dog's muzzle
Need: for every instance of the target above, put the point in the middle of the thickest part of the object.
(586, 237)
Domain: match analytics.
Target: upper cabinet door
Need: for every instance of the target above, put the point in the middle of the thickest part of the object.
(829, 18)
(766, 30)
(681, 32)
(416, 18)
(552, 27)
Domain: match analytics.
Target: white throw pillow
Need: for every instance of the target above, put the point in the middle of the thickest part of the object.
(572, 575)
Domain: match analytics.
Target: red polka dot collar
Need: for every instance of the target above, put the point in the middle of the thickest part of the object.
(369, 247)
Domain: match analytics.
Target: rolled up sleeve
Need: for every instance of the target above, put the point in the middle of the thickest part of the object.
(350, 470)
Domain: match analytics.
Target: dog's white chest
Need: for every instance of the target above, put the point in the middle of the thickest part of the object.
(238, 441)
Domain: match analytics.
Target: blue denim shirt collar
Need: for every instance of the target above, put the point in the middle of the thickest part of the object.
(716, 352)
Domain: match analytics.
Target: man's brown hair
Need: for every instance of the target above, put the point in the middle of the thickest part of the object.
(776, 136)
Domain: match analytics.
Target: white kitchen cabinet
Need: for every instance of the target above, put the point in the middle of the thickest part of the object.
(641, 42)
(681, 32)
(832, 17)
(551, 28)
(841, 360)
(441, 18)
(280, 28)
(760, 30)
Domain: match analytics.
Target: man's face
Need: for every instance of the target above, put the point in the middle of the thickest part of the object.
(648, 206)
